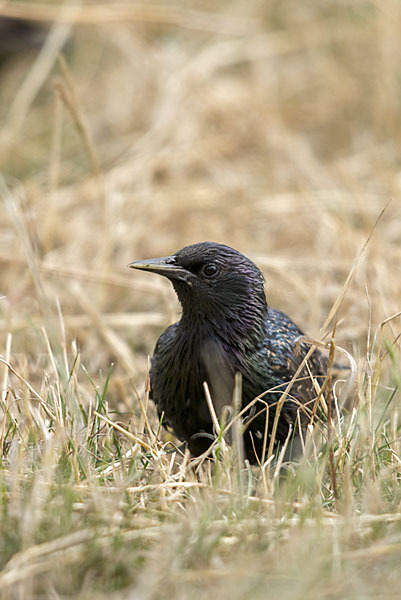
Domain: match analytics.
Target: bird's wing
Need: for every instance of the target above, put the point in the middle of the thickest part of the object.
(285, 353)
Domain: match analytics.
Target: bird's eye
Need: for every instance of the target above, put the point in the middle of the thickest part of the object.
(210, 270)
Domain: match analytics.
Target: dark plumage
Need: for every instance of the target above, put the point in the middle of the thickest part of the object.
(227, 327)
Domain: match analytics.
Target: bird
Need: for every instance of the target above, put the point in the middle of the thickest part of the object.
(226, 327)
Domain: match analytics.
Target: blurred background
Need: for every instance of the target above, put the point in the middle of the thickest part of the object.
(130, 130)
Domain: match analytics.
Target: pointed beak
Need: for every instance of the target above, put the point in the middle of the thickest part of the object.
(165, 266)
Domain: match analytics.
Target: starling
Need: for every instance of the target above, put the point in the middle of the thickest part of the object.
(226, 327)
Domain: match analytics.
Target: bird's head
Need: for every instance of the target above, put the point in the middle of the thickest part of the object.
(213, 281)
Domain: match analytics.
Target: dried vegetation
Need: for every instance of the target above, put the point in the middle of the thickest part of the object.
(274, 127)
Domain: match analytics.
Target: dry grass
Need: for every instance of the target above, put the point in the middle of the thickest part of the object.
(273, 127)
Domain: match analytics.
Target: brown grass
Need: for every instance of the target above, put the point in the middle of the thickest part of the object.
(272, 127)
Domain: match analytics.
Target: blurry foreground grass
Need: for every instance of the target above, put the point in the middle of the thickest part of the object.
(274, 127)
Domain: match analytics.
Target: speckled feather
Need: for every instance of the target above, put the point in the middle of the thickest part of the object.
(227, 327)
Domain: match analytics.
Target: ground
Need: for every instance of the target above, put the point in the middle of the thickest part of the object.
(137, 129)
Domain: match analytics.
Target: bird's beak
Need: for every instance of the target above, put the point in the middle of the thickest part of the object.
(165, 266)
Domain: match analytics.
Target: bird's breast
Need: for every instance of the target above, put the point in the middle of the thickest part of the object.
(180, 367)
